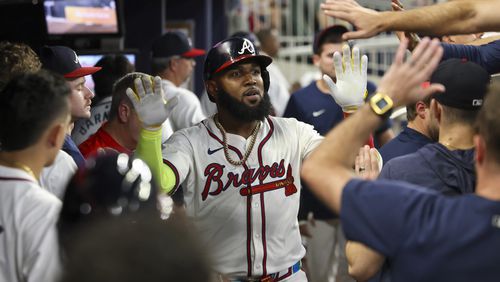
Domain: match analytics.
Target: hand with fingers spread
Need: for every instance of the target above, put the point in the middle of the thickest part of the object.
(366, 21)
(350, 90)
(368, 163)
(413, 38)
(149, 103)
(402, 82)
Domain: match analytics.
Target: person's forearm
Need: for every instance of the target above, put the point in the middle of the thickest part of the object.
(347, 137)
(336, 154)
(455, 17)
(149, 150)
(363, 262)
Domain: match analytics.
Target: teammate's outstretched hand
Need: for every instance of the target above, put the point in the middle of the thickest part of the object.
(367, 21)
(402, 82)
(350, 90)
(368, 163)
(413, 38)
(148, 102)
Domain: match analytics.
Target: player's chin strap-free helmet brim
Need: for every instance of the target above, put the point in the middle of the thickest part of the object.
(231, 51)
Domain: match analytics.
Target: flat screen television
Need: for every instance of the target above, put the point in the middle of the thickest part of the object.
(90, 58)
(83, 17)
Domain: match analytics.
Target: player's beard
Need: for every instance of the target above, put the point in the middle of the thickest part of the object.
(241, 110)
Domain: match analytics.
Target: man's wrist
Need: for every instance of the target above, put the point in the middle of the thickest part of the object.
(381, 104)
(384, 20)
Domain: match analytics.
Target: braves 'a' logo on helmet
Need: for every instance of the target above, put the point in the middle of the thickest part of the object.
(248, 46)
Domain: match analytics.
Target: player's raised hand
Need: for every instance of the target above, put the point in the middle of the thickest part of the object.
(350, 90)
(413, 38)
(149, 103)
(368, 163)
(367, 21)
(402, 82)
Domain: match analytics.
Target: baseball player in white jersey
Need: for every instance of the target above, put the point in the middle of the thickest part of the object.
(28, 214)
(239, 169)
(28, 238)
(56, 177)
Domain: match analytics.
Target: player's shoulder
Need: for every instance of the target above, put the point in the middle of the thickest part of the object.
(194, 131)
(305, 91)
(30, 197)
(289, 123)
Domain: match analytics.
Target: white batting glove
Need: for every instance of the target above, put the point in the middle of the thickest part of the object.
(149, 103)
(350, 90)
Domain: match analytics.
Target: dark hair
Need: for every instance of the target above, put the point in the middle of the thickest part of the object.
(331, 34)
(119, 92)
(454, 115)
(135, 248)
(488, 123)
(113, 68)
(28, 104)
(16, 58)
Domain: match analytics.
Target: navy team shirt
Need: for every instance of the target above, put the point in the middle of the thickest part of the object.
(70, 147)
(424, 235)
(408, 141)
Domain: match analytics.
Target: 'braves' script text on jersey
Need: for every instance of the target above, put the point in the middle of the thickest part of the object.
(246, 214)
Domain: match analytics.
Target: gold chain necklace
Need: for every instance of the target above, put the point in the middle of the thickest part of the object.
(21, 166)
(253, 137)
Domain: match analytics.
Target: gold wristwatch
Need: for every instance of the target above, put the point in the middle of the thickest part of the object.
(381, 104)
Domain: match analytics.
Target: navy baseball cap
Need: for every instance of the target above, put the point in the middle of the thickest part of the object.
(64, 61)
(175, 43)
(466, 84)
(320, 37)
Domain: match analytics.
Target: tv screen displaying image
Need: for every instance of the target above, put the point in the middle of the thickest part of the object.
(81, 17)
(89, 60)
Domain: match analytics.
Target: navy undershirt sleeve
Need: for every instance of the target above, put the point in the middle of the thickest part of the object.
(487, 56)
(386, 215)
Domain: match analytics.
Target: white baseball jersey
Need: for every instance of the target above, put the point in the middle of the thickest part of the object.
(188, 111)
(246, 214)
(56, 177)
(28, 238)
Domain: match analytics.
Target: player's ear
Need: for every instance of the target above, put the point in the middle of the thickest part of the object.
(212, 89)
(420, 108)
(316, 59)
(436, 109)
(55, 135)
(124, 111)
(480, 147)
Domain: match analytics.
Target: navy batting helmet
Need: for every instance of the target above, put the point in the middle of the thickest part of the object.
(248, 35)
(231, 51)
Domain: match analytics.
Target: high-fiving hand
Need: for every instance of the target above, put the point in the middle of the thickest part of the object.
(148, 102)
(350, 90)
(367, 21)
